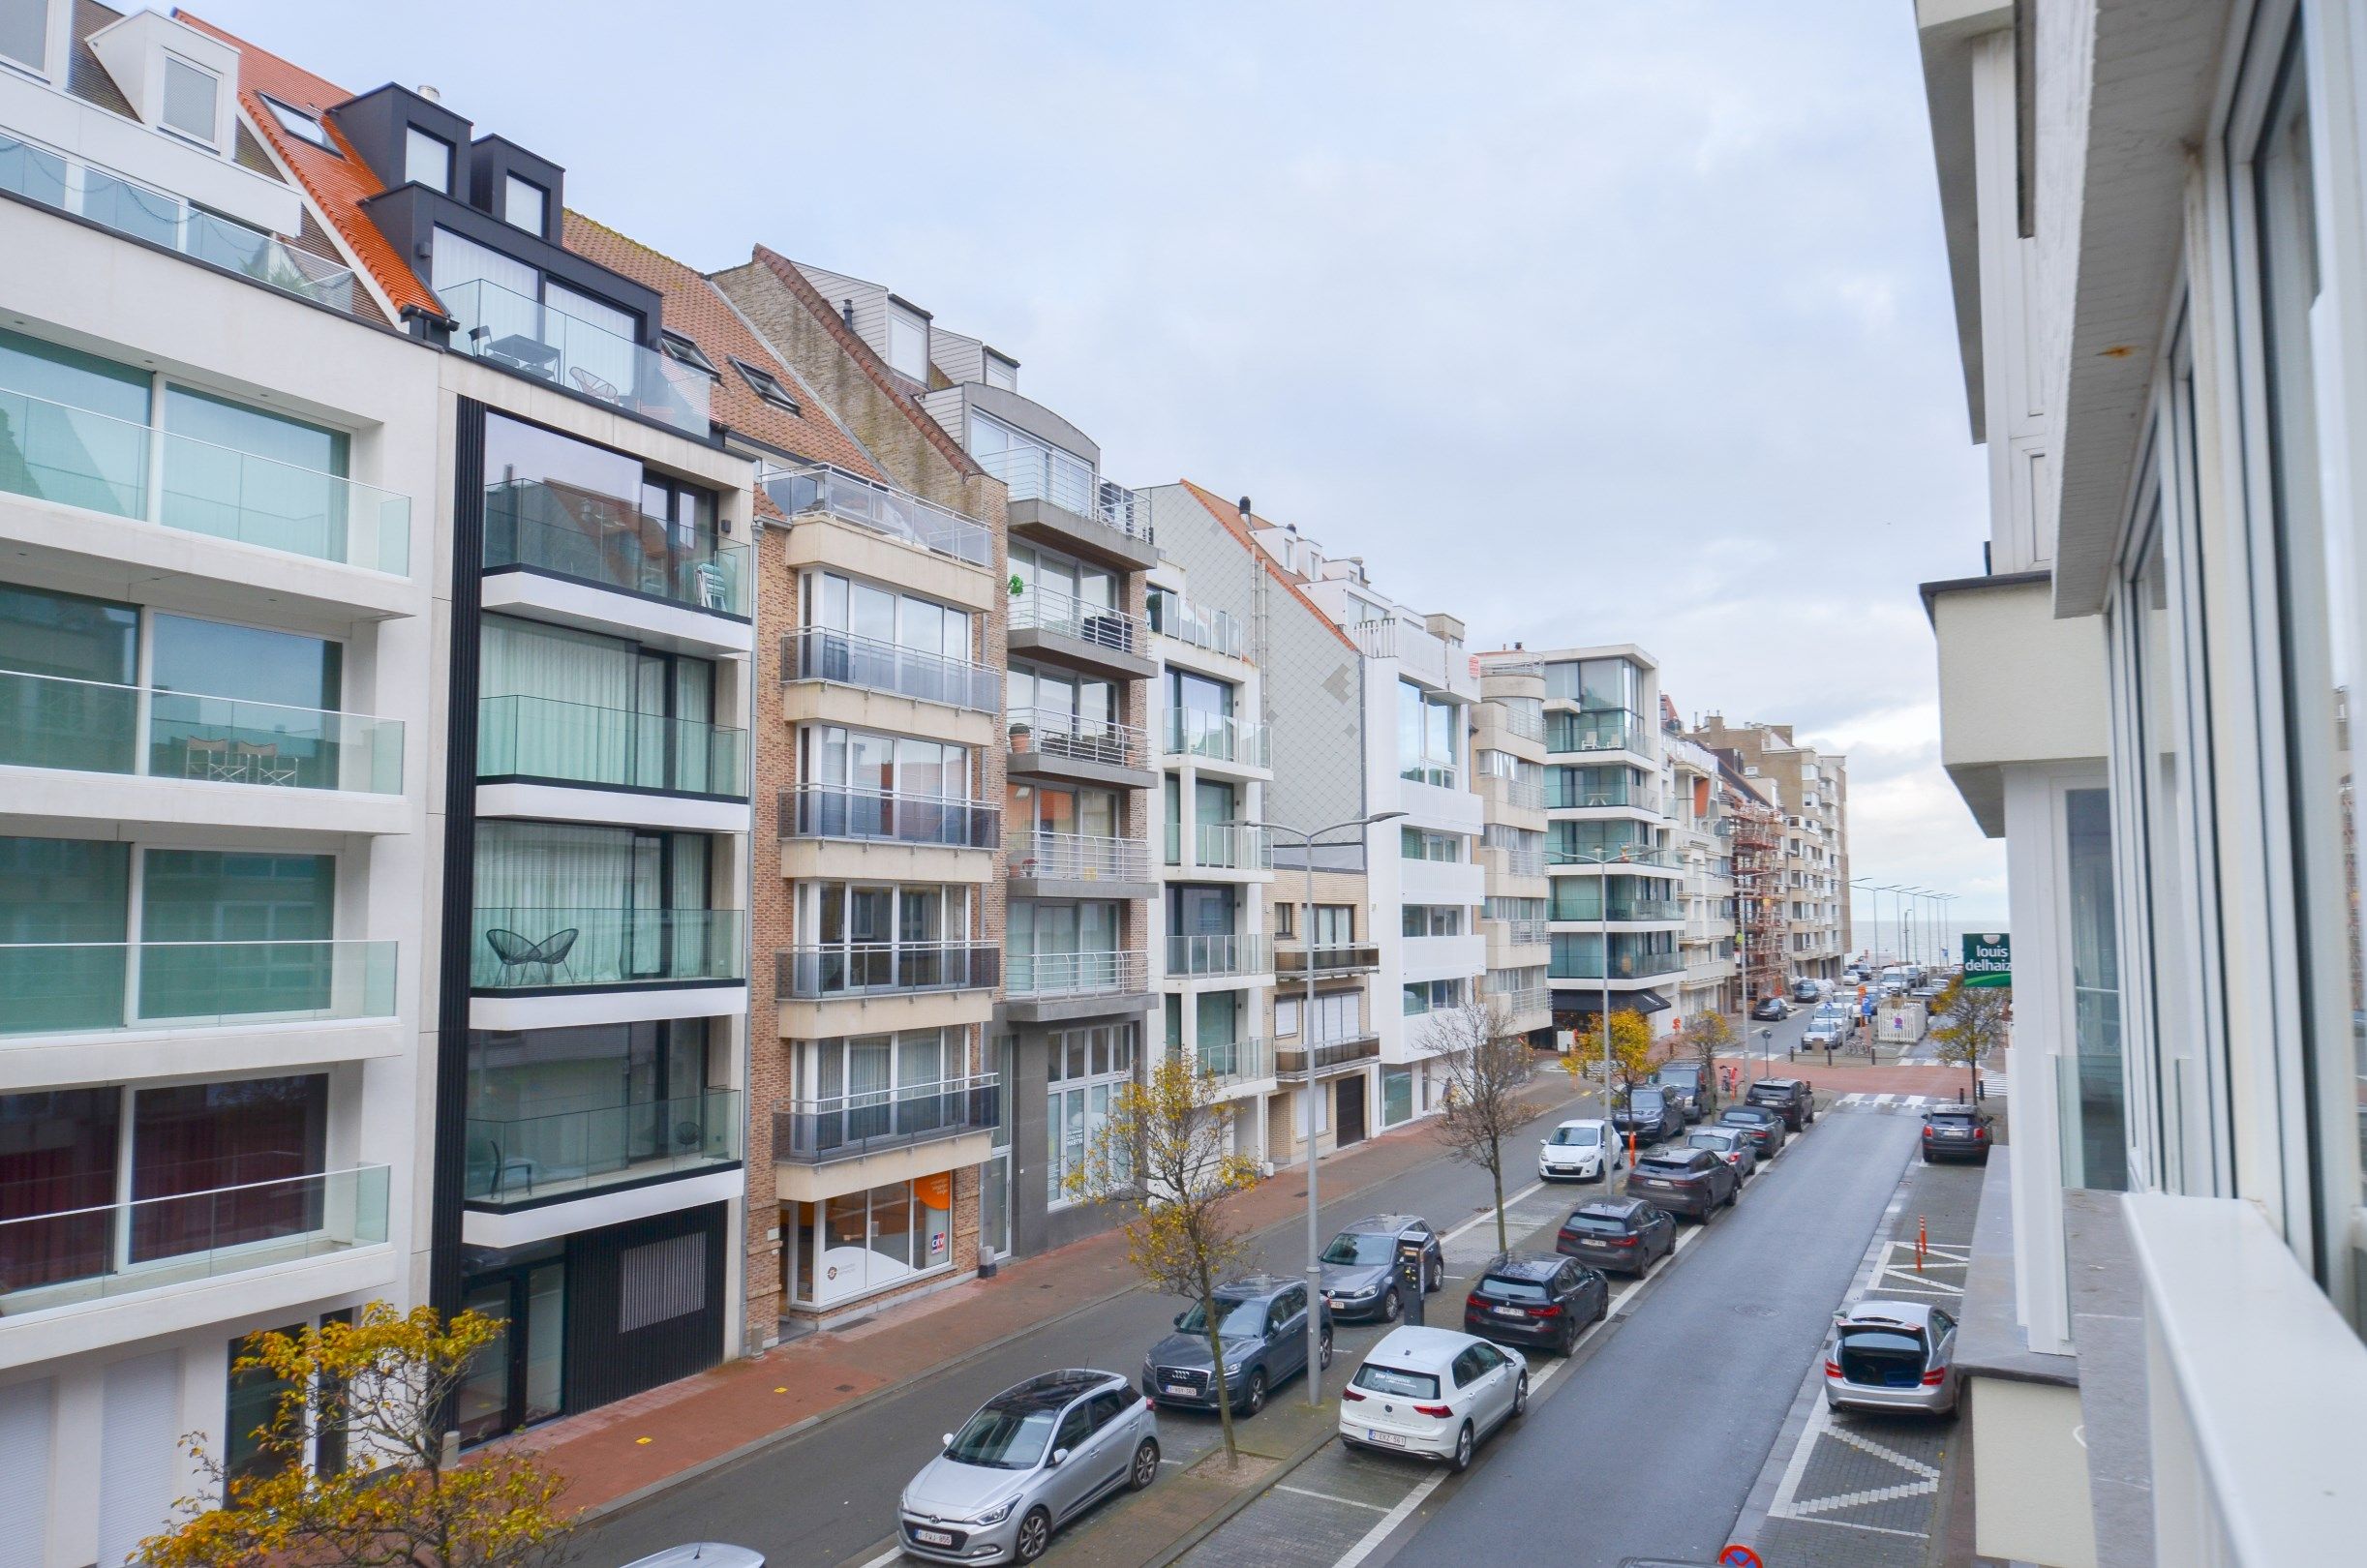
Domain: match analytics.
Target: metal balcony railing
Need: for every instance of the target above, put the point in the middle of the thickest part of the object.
(1221, 954)
(1528, 793)
(1043, 974)
(1529, 998)
(1041, 473)
(1525, 932)
(819, 653)
(891, 816)
(1216, 738)
(1077, 736)
(848, 1127)
(1045, 608)
(884, 969)
(1338, 958)
(1292, 1062)
(1081, 857)
(883, 509)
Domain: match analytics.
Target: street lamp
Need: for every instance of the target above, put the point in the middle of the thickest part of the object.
(1945, 901)
(1306, 1039)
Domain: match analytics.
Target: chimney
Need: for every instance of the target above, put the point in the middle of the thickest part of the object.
(1245, 511)
(1518, 646)
(430, 94)
(847, 313)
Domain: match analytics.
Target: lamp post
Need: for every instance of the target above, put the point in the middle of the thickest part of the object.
(1945, 901)
(1306, 1039)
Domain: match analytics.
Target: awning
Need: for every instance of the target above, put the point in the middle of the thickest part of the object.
(1569, 1005)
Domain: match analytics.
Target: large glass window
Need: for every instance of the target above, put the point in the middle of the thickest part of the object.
(568, 508)
(1434, 995)
(1084, 1068)
(560, 704)
(258, 1135)
(58, 1153)
(1421, 844)
(427, 160)
(24, 33)
(1429, 737)
(555, 1109)
(1057, 945)
(883, 937)
(861, 1242)
(2095, 1115)
(525, 204)
(291, 500)
(229, 933)
(67, 665)
(557, 903)
(1578, 954)
(1033, 469)
(71, 426)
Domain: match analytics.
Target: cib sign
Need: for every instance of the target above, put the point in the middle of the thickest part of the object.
(1988, 958)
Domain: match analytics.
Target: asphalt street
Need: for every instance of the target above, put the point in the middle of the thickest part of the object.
(828, 1495)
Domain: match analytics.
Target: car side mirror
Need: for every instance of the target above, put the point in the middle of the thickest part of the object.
(947, 1440)
(1180, 1318)
(1059, 1458)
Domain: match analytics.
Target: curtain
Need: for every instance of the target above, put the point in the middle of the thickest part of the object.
(191, 1142)
(557, 704)
(538, 878)
(57, 1154)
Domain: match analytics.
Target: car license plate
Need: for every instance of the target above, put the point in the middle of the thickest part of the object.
(1185, 1389)
(1375, 1435)
(1656, 1181)
(1511, 1312)
(934, 1537)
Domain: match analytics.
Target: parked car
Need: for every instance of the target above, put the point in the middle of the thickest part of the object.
(1687, 1083)
(1581, 1150)
(1686, 1181)
(1433, 1391)
(1618, 1233)
(1537, 1298)
(1733, 1145)
(1957, 1132)
(1649, 1112)
(1262, 1323)
(1360, 1266)
(1762, 1126)
(1830, 1027)
(1774, 1007)
(1807, 990)
(1788, 1097)
(1891, 1355)
(702, 1554)
(1032, 1459)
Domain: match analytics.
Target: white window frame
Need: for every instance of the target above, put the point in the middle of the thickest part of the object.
(913, 325)
(511, 180)
(212, 137)
(412, 136)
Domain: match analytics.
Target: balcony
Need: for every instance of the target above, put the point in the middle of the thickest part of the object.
(1096, 638)
(1578, 800)
(532, 949)
(1525, 1002)
(816, 654)
(1616, 859)
(1222, 847)
(884, 969)
(1078, 749)
(1216, 738)
(887, 817)
(73, 457)
(42, 173)
(1174, 616)
(89, 725)
(1113, 866)
(882, 509)
(1056, 499)
(1348, 958)
(1291, 1065)
(1056, 975)
(544, 738)
(1195, 957)
(849, 1127)
(534, 1159)
(79, 1256)
(1235, 1063)
(106, 987)
(544, 344)
(1621, 909)
(606, 541)
(1595, 730)
(1519, 793)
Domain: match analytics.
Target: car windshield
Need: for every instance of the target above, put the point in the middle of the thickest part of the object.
(1598, 1225)
(1408, 1385)
(1242, 1318)
(1666, 1164)
(1003, 1437)
(1951, 1118)
(1712, 1141)
(1742, 1116)
(1647, 1100)
(1585, 1137)
(1361, 1247)
(1503, 1290)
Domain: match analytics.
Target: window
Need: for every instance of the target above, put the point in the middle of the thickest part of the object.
(1338, 1016)
(253, 1400)
(767, 385)
(191, 97)
(908, 343)
(1429, 737)
(24, 33)
(525, 204)
(867, 1241)
(300, 125)
(682, 352)
(263, 1138)
(884, 618)
(1433, 920)
(1034, 471)
(1396, 1096)
(1421, 844)
(882, 937)
(427, 160)
(1002, 373)
(553, 1109)
(1084, 1068)
(1433, 996)
(2095, 1134)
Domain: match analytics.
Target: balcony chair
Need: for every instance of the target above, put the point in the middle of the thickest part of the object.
(210, 760)
(262, 764)
(516, 953)
(595, 386)
(715, 589)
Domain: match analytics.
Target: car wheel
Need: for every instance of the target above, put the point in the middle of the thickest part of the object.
(1253, 1397)
(1322, 1351)
(1520, 1398)
(1392, 1309)
(1570, 1339)
(1035, 1534)
(1462, 1459)
(1147, 1464)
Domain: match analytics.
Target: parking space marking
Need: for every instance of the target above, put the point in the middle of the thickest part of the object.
(1345, 1503)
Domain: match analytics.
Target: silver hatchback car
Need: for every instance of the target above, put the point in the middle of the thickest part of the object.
(1031, 1460)
(1891, 1355)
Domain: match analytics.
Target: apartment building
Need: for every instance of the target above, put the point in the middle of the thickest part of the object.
(1753, 831)
(1812, 788)
(1508, 771)
(2153, 223)
(1615, 912)
(219, 814)
(1700, 835)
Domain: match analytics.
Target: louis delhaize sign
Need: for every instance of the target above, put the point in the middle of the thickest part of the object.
(1988, 958)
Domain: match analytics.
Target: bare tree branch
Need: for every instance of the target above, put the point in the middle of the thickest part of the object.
(1487, 1065)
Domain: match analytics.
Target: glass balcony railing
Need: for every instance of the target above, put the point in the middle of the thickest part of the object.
(605, 540)
(1219, 953)
(91, 726)
(846, 1127)
(819, 653)
(1606, 730)
(1590, 857)
(884, 969)
(530, 1159)
(528, 950)
(90, 987)
(1078, 737)
(1324, 1056)
(56, 452)
(541, 738)
(1234, 1061)
(881, 508)
(837, 811)
(1045, 608)
(1174, 616)
(1222, 847)
(1083, 857)
(1075, 973)
(1216, 738)
(77, 1255)
(546, 344)
(42, 173)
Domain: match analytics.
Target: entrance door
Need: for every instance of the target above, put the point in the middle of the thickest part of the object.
(1348, 1110)
(514, 1380)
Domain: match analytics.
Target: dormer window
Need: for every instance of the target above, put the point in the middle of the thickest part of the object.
(192, 98)
(300, 125)
(427, 160)
(24, 34)
(682, 352)
(525, 204)
(767, 386)
(908, 343)
(1002, 373)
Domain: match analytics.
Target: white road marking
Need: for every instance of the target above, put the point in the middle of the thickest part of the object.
(892, 1554)
(1885, 1099)
(1489, 1212)
(1345, 1503)
(1387, 1522)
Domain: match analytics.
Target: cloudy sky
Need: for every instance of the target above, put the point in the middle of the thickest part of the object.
(1587, 321)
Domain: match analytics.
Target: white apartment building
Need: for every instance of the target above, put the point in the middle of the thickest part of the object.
(2154, 226)
(1509, 770)
(1811, 786)
(1701, 838)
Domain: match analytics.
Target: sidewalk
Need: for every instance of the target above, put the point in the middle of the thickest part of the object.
(1848, 1075)
(616, 1453)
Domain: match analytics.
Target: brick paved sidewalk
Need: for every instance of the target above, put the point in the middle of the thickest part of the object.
(1847, 1076)
(619, 1450)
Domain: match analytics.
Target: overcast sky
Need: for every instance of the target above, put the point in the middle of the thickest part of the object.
(1586, 323)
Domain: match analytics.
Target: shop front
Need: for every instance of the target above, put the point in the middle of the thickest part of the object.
(854, 1245)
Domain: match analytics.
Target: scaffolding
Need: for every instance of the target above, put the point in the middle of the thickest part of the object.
(1761, 930)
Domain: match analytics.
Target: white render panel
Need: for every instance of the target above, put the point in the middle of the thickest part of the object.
(126, 146)
(633, 1005)
(565, 803)
(481, 1227)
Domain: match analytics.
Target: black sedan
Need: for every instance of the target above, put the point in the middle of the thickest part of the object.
(1957, 1132)
(1618, 1233)
(1360, 1266)
(1772, 1008)
(1535, 1299)
(1764, 1127)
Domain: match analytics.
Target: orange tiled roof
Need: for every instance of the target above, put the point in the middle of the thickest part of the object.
(696, 310)
(337, 186)
(1228, 517)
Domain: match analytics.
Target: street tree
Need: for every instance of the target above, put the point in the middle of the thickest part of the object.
(1632, 1048)
(1705, 1033)
(1970, 1022)
(1487, 1065)
(369, 1400)
(1164, 1160)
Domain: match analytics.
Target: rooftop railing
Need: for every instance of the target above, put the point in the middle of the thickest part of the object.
(1218, 738)
(40, 172)
(86, 987)
(1045, 609)
(1040, 975)
(1081, 857)
(883, 509)
(543, 737)
(819, 653)
(848, 1127)
(528, 1159)
(537, 949)
(544, 343)
(856, 969)
(606, 540)
(1077, 735)
(92, 725)
(1040, 473)
(890, 816)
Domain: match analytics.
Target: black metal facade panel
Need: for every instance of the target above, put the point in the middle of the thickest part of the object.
(605, 1363)
(451, 953)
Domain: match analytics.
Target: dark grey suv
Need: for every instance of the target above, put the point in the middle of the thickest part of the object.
(1685, 1181)
(1618, 1233)
(1649, 1112)
(1261, 1322)
(1788, 1097)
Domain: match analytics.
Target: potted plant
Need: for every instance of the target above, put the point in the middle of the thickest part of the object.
(1022, 736)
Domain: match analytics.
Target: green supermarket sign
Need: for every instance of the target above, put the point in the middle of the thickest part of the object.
(1988, 958)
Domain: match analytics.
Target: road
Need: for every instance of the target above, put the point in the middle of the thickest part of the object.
(828, 1495)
